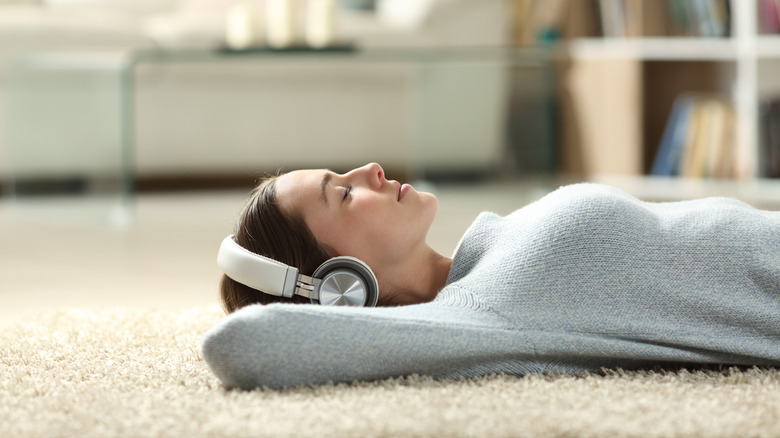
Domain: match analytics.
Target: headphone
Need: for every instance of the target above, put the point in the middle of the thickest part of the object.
(340, 281)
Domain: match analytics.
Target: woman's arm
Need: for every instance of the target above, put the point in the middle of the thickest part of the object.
(291, 345)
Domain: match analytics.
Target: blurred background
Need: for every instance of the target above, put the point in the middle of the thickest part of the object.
(131, 130)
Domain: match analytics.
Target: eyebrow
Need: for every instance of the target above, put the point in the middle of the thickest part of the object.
(325, 181)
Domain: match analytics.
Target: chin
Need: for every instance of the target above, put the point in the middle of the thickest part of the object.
(428, 196)
(430, 205)
(432, 199)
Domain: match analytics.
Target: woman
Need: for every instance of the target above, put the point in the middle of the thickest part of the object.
(585, 278)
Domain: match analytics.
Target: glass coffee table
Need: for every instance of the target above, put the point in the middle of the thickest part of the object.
(72, 119)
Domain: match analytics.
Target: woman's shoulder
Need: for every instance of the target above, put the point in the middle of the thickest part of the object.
(583, 193)
(576, 206)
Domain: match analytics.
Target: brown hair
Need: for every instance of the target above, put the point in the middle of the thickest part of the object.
(264, 228)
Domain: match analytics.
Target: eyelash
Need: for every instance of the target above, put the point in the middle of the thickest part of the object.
(347, 192)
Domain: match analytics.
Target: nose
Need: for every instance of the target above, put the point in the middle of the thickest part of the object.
(372, 174)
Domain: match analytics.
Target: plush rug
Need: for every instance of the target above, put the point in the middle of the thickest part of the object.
(127, 373)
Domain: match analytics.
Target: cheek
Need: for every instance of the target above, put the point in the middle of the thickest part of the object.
(342, 236)
(364, 230)
(377, 225)
(398, 228)
(325, 230)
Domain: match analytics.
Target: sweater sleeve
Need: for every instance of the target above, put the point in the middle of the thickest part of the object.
(286, 345)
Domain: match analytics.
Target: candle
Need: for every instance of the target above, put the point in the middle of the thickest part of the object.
(282, 18)
(320, 23)
(242, 26)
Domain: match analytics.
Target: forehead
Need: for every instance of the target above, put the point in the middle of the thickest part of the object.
(299, 188)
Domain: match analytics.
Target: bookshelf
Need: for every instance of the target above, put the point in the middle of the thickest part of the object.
(655, 48)
(618, 90)
(768, 47)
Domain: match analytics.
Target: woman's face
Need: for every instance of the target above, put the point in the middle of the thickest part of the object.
(359, 213)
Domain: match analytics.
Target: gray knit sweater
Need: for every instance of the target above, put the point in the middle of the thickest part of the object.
(585, 278)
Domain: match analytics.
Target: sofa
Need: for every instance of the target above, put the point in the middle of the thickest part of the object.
(254, 111)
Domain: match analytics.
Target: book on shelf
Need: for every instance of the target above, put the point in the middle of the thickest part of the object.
(769, 138)
(539, 21)
(698, 140)
(670, 152)
(598, 134)
(697, 18)
(769, 16)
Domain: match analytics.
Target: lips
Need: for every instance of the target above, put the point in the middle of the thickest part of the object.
(403, 190)
(400, 189)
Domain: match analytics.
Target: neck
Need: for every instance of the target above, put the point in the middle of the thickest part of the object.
(416, 279)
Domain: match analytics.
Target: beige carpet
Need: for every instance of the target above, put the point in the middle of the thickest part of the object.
(125, 373)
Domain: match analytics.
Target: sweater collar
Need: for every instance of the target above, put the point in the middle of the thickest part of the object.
(473, 245)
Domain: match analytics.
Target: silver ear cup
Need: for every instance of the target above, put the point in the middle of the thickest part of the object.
(343, 288)
(345, 281)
